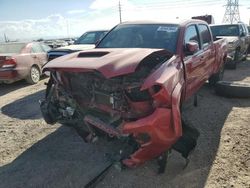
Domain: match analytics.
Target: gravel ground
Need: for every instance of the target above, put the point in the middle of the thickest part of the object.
(34, 154)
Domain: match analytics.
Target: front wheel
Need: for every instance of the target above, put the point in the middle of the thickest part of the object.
(34, 75)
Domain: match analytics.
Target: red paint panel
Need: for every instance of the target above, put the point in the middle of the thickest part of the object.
(115, 62)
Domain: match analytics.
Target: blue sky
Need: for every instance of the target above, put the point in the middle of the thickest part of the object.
(29, 19)
(37, 9)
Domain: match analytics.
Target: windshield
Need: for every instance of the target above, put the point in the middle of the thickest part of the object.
(11, 47)
(90, 37)
(163, 36)
(225, 30)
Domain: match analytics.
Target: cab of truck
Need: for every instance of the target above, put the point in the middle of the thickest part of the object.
(238, 39)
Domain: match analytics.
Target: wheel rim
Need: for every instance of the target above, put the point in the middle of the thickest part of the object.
(35, 74)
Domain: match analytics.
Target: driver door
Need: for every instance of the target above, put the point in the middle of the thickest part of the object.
(194, 68)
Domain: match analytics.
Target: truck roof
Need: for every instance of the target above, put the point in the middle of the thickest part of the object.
(225, 24)
(177, 22)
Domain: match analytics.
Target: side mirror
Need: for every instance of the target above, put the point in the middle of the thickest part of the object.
(191, 47)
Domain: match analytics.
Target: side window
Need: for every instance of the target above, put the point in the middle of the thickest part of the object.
(36, 48)
(245, 29)
(191, 35)
(89, 38)
(205, 35)
(241, 30)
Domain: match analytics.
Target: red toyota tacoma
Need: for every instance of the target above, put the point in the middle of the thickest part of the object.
(132, 85)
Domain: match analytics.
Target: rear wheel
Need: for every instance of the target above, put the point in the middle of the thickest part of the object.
(34, 75)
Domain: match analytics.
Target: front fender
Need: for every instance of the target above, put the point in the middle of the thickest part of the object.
(163, 128)
(167, 76)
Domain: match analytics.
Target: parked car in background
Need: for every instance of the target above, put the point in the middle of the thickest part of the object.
(70, 41)
(60, 43)
(238, 40)
(22, 60)
(50, 43)
(86, 41)
(132, 85)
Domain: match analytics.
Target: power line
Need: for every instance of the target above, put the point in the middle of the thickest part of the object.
(161, 5)
(176, 4)
(232, 14)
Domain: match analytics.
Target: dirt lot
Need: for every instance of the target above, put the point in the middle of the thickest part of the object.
(34, 154)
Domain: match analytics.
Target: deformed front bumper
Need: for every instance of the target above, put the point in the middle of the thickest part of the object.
(159, 131)
(163, 128)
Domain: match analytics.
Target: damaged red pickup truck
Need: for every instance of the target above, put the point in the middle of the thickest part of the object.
(132, 85)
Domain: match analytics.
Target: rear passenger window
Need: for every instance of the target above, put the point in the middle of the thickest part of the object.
(36, 48)
(191, 35)
(205, 35)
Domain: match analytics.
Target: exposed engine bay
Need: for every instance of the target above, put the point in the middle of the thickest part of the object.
(116, 107)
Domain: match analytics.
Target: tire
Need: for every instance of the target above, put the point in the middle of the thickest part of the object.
(233, 89)
(237, 55)
(34, 75)
(233, 64)
(245, 56)
(217, 76)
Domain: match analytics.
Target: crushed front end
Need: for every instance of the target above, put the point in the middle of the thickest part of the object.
(132, 107)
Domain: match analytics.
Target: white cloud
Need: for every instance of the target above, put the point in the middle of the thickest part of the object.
(76, 11)
(53, 25)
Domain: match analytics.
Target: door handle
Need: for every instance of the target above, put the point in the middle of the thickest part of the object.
(202, 58)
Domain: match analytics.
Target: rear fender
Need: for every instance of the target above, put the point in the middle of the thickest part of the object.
(221, 54)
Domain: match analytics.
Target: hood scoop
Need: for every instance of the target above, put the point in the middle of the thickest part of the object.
(92, 54)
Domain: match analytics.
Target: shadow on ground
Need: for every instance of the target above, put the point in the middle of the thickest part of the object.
(25, 108)
(7, 88)
(62, 159)
(244, 71)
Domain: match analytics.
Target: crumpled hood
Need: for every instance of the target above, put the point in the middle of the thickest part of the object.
(77, 47)
(108, 61)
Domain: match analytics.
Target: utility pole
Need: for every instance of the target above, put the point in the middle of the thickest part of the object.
(120, 11)
(5, 38)
(67, 21)
(232, 14)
